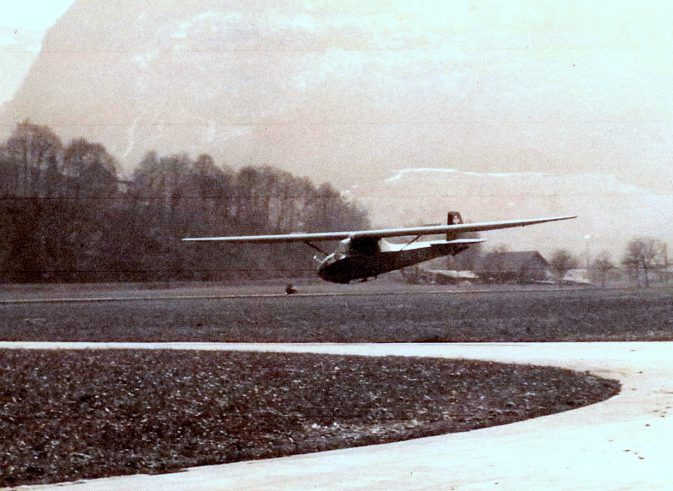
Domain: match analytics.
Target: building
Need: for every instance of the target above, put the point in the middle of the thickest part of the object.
(513, 267)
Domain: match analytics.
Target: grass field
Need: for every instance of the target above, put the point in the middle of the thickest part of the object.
(71, 415)
(411, 316)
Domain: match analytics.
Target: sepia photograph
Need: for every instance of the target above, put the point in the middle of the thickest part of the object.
(321, 244)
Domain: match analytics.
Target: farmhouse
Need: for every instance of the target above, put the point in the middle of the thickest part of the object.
(520, 267)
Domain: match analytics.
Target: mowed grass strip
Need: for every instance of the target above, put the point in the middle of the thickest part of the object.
(575, 315)
(83, 414)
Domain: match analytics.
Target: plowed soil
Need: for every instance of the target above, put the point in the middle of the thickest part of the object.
(71, 415)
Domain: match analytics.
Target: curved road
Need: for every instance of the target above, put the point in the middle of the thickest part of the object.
(623, 443)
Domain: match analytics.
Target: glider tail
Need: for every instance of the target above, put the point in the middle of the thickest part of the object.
(453, 218)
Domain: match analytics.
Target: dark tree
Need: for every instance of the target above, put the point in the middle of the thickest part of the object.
(642, 255)
(602, 266)
(36, 154)
(66, 215)
(562, 261)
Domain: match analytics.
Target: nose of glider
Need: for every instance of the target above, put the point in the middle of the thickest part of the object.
(330, 270)
(324, 269)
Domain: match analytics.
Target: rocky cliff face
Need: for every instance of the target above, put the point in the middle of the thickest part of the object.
(249, 82)
(156, 75)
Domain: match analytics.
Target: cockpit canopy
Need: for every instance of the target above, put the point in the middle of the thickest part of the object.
(363, 246)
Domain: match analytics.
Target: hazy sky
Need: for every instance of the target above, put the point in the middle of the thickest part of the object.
(36, 15)
(22, 26)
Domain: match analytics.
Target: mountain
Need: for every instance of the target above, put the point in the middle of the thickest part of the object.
(353, 92)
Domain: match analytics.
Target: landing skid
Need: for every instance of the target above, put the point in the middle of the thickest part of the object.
(365, 280)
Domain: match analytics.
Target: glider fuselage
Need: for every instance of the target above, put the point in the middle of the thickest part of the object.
(367, 258)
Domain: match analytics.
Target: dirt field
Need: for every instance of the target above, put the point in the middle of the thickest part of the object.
(374, 315)
(71, 415)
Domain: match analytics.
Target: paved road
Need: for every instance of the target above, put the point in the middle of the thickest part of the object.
(623, 443)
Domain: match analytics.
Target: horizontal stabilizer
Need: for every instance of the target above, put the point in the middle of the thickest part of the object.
(410, 246)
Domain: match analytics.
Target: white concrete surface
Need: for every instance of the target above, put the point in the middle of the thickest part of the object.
(625, 442)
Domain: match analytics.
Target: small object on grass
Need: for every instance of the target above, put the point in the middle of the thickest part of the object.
(289, 289)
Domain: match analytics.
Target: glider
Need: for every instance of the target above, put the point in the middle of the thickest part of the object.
(364, 254)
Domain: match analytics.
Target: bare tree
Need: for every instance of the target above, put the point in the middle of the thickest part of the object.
(501, 247)
(37, 153)
(665, 263)
(562, 261)
(602, 265)
(642, 255)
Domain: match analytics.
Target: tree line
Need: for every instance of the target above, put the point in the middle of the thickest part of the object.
(66, 214)
(644, 260)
